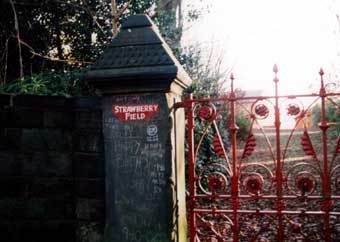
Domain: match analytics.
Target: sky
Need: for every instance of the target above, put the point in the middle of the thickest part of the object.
(300, 36)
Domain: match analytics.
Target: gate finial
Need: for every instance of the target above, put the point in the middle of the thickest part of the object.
(276, 70)
(232, 82)
(321, 73)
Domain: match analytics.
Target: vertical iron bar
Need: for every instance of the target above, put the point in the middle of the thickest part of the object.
(176, 175)
(326, 187)
(234, 176)
(278, 172)
(192, 175)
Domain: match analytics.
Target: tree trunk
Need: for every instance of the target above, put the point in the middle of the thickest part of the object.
(115, 18)
(167, 5)
(59, 44)
(16, 27)
(6, 62)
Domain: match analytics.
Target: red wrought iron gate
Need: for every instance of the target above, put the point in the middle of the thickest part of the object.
(282, 185)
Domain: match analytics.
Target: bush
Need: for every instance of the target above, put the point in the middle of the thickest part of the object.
(49, 83)
(332, 116)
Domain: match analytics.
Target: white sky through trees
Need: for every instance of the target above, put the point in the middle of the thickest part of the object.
(299, 35)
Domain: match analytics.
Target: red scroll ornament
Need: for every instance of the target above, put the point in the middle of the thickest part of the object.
(218, 146)
(307, 144)
(250, 146)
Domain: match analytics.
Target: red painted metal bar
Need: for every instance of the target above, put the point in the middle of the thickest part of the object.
(326, 186)
(191, 162)
(268, 212)
(234, 178)
(227, 98)
(249, 197)
(278, 171)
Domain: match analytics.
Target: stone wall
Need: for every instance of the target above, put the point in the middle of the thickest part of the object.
(51, 169)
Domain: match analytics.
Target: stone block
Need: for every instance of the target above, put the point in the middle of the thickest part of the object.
(88, 119)
(58, 119)
(12, 208)
(39, 102)
(52, 188)
(33, 139)
(88, 165)
(45, 163)
(88, 140)
(9, 165)
(5, 99)
(10, 138)
(81, 103)
(26, 118)
(46, 139)
(36, 208)
(30, 187)
(29, 163)
(15, 187)
(90, 209)
(90, 188)
(6, 118)
(57, 164)
(38, 231)
(47, 208)
(90, 232)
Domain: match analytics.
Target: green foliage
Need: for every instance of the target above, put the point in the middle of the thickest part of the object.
(243, 123)
(167, 24)
(332, 114)
(49, 83)
(332, 117)
(64, 30)
(206, 76)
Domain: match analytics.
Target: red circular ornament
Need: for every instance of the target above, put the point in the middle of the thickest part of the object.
(296, 228)
(293, 109)
(206, 112)
(253, 183)
(216, 183)
(337, 182)
(261, 110)
(305, 183)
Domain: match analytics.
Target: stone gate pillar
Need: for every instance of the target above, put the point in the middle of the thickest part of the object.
(140, 79)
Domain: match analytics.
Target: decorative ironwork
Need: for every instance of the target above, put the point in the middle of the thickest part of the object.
(218, 146)
(307, 144)
(250, 146)
(293, 109)
(206, 113)
(282, 186)
(262, 110)
(253, 183)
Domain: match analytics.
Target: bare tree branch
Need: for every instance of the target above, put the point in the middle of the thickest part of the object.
(116, 14)
(94, 17)
(124, 8)
(34, 53)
